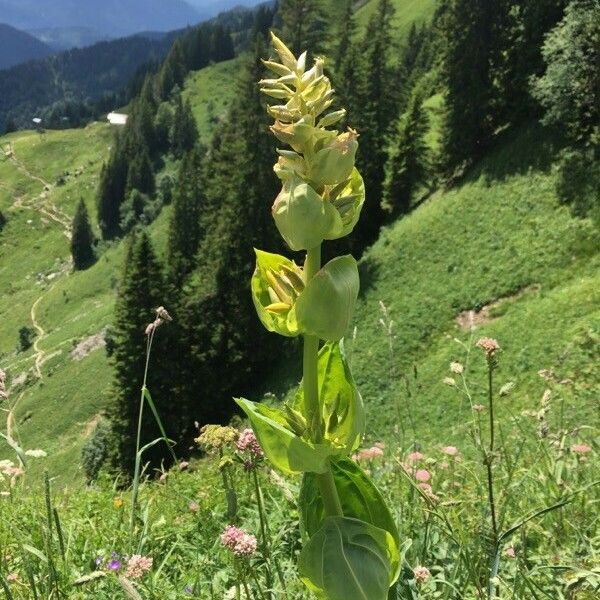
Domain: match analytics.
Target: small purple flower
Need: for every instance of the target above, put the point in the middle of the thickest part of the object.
(114, 565)
(188, 589)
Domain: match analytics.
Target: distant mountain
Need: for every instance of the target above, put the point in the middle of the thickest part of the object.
(112, 18)
(65, 38)
(210, 8)
(18, 47)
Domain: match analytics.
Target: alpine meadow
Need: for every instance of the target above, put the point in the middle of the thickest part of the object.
(300, 301)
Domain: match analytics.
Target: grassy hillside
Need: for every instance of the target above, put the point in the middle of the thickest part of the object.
(498, 243)
(41, 179)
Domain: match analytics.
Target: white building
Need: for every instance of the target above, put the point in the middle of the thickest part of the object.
(116, 118)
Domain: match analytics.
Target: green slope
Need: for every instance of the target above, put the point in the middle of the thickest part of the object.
(59, 398)
(500, 237)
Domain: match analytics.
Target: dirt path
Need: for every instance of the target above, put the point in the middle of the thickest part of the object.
(43, 204)
(39, 353)
(43, 201)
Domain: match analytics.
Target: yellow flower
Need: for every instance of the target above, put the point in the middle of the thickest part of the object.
(118, 502)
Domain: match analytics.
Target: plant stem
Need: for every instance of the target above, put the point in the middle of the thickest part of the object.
(263, 533)
(331, 501)
(138, 460)
(495, 558)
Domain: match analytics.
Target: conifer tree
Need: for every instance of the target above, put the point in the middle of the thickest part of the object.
(140, 175)
(376, 106)
(184, 226)
(82, 239)
(304, 24)
(221, 47)
(471, 32)
(184, 134)
(140, 293)
(408, 161)
(111, 191)
(345, 35)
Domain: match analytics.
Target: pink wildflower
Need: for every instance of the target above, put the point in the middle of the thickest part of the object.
(247, 442)
(510, 552)
(12, 577)
(238, 541)
(183, 465)
(422, 574)
(478, 407)
(423, 475)
(415, 457)
(368, 454)
(581, 448)
(488, 345)
(137, 565)
(379, 445)
(194, 507)
(428, 491)
(450, 450)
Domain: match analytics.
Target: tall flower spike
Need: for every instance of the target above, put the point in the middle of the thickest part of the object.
(322, 193)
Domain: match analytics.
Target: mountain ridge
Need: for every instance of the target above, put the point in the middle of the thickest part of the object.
(17, 46)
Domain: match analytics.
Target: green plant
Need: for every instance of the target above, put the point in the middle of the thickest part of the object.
(351, 547)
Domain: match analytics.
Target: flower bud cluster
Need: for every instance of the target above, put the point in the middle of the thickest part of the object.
(322, 192)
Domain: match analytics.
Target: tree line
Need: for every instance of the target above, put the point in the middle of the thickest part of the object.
(493, 64)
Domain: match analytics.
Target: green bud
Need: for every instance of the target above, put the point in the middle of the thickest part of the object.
(332, 118)
(348, 201)
(334, 164)
(273, 296)
(277, 68)
(302, 217)
(296, 420)
(285, 54)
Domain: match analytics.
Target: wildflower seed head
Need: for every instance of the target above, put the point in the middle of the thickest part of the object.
(449, 381)
(238, 541)
(161, 313)
(490, 346)
(422, 574)
(414, 457)
(247, 442)
(422, 475)
(580, 448)
(137, 566)
(506, 389)
(456, 368)
(215, 437)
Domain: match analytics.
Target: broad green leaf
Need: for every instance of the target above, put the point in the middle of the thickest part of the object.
(287, 451)
(284, 324)
(326, 306)
(342, 410)
(302, 217)
(360, 499)
(347, 559)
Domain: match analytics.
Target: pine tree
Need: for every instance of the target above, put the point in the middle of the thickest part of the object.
(82, 239)
(346, 35)
(472, 38)
(377, 104)
(184, 226)
(184, 134)
(140, 293)
(140, 174)
(408, 162)
(221, 46)
(111, 191)
(304, 25)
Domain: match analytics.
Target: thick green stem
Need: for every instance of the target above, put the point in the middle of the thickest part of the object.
(331, 501)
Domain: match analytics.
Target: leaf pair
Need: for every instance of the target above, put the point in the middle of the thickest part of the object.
(284, 434)
(356, 556)
(323, 307)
